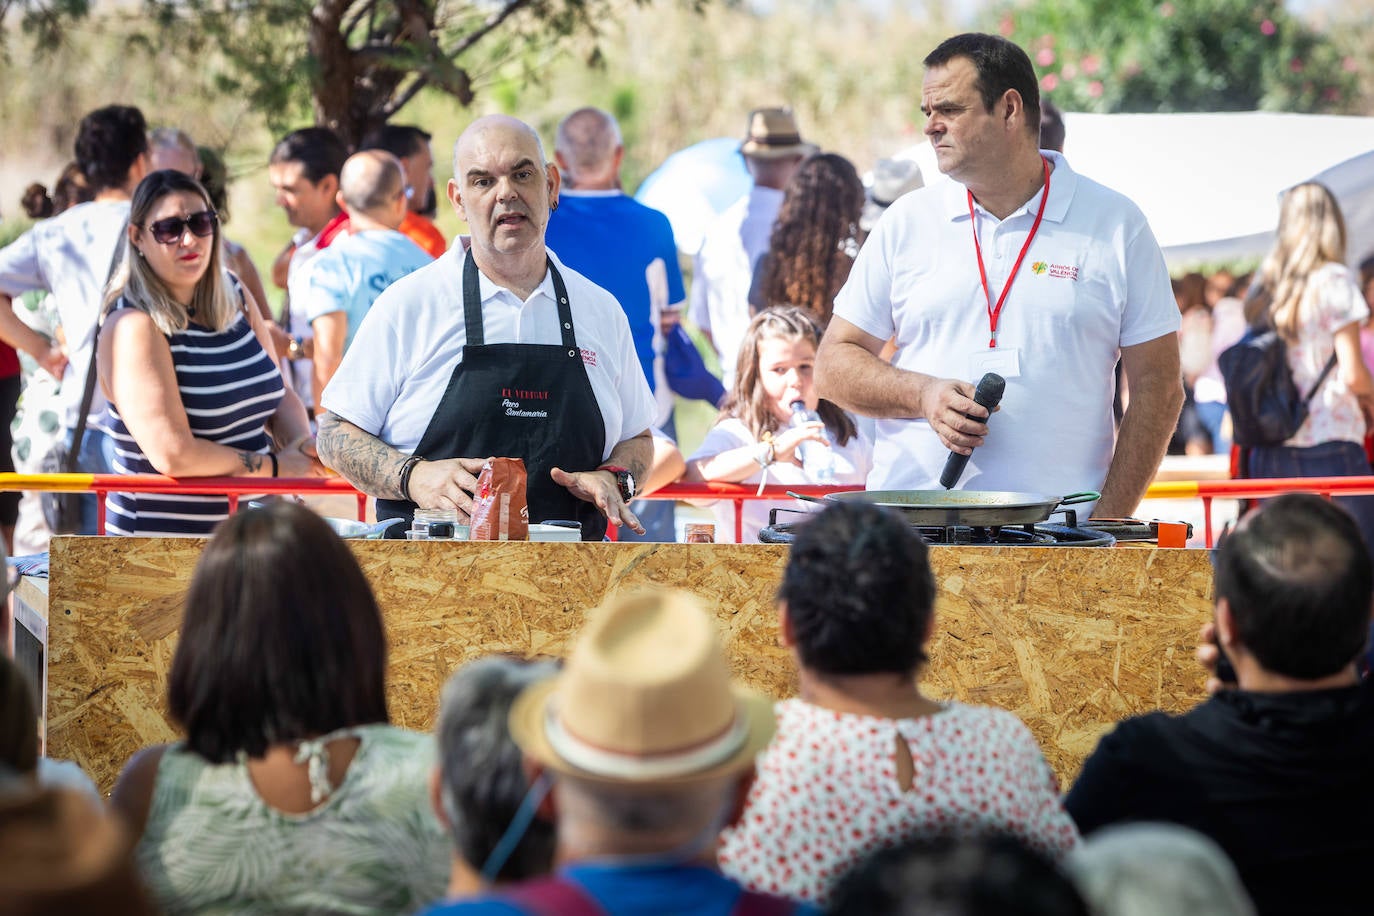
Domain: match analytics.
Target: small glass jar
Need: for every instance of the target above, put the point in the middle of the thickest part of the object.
(435, 525)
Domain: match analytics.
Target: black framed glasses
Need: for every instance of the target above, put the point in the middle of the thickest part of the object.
(170, 230)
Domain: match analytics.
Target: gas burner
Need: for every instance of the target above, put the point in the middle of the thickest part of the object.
(1105, 532)
(1041, 535)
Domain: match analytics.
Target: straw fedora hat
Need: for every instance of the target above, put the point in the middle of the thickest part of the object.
(773, 134)
(645, 699)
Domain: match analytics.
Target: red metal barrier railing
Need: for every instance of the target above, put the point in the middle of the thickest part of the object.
(235, 488)
(1257, 489)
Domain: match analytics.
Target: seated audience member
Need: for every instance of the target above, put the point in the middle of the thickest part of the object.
(19, 756)
(478, 786)
(862, 759)
(18, 719)
(291, 793)
(1276, 771)
(755, 440)
(62, 853)
(648, 749)
(1157, 870)
(972, 876)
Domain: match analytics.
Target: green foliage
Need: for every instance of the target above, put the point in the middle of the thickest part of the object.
(12, 228)
(1182, 55)
(353, 63)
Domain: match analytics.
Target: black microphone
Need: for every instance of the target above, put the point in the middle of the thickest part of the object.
(989, 393)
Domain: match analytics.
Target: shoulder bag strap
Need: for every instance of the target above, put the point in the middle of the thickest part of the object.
(1330, 364)
(88, 395)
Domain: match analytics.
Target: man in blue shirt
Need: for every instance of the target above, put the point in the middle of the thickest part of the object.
(627, 249)
(336, 288)
(641, 750)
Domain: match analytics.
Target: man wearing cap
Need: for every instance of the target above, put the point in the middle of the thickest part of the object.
(772, 150)
(1017, 267)
(495, 350)
(891, 179)
(641, 750)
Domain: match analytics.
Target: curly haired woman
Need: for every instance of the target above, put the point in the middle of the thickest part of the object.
(814, 240)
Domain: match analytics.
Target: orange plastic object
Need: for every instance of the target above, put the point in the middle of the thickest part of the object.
(1172, 534)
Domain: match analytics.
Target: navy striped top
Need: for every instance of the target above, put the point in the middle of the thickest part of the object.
(230, 388)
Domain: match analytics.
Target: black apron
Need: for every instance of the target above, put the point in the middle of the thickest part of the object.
(530, 401)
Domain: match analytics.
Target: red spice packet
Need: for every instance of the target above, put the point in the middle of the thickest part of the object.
(500, 511)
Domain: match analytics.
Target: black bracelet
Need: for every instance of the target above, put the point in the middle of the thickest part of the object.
(275, 467)
(406, 468)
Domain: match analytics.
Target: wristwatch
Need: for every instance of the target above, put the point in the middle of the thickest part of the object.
(624, 479)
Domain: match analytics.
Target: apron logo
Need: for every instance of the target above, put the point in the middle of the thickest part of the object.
(1039, 267)
(510, 402)
(588, 356)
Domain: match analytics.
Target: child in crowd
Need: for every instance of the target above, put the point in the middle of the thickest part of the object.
(756, 439)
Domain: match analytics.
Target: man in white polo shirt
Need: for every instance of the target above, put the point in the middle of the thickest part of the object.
(1020, 267)
(499, 350)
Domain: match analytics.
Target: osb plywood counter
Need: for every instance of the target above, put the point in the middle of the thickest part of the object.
(1071, 640)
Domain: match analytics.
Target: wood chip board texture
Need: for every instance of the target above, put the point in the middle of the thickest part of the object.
(1071, 640)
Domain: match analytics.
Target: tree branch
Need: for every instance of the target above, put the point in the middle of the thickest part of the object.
(370, 6)
(493, 22)
(399, 100)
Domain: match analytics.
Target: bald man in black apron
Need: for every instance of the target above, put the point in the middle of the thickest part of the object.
(496, 352)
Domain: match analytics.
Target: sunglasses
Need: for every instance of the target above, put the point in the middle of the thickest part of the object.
(170, 230)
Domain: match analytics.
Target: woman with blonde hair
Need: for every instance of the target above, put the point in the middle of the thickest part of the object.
(756, 439)
(1304, 291)
(186, 363)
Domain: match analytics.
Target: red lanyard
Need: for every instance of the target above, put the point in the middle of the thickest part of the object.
(995, 314)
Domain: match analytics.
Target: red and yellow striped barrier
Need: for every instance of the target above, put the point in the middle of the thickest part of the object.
(235, 487)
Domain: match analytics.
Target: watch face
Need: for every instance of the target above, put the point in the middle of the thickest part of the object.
(630, 486)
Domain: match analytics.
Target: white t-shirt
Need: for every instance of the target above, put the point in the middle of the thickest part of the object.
(1331, 301)
(392, 379)
(853, 461)
(1093, 281)
(725, 268)
(69, 256)
(302, 370)
(350, 274)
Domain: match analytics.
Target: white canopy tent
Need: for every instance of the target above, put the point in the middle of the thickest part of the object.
(1210, 183)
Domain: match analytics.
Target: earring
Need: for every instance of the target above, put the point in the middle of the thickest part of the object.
(553, 207)
(140, 253)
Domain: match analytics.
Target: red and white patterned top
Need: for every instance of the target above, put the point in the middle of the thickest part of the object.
(827, 793)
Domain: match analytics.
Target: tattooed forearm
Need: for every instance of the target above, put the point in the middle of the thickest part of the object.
(251, 462)
(366, 461)
(635, 453)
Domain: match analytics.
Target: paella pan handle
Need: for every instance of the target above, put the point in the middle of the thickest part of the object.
(1085, 496)
(810, 499)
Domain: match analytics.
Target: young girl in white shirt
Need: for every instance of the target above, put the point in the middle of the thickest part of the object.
(755, 440)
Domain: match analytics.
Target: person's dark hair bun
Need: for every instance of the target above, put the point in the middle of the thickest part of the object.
(37, 203)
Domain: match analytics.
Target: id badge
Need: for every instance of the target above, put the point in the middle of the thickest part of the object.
(1005, 361)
